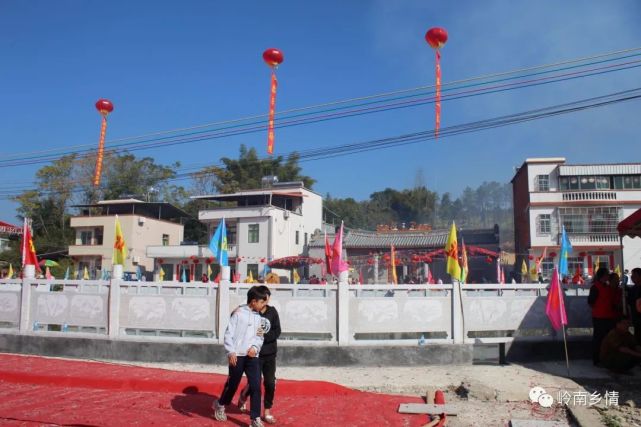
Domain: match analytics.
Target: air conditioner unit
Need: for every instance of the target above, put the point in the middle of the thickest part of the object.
(141, 220)
(135, 260)
(286, 214)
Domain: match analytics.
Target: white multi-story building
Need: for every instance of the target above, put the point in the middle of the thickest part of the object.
(262, 225)
(588, 200)
(142, 224)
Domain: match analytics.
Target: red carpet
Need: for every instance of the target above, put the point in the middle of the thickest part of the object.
(37, 390)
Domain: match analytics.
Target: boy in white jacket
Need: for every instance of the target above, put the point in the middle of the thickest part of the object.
(243, 345)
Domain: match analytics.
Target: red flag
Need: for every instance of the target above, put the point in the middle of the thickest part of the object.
(437, 98)
(217, 279)
(28, 250)
(555, 308)
(360, 277)
(328, 256)
(272, 109)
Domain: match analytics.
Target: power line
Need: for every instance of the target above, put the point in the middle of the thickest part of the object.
(416, 137)
(354, 112)
(446, 87)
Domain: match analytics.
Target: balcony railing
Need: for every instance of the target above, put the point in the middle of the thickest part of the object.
(591, 238)
(590, 195)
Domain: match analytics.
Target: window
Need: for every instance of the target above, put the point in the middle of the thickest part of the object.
(165, 239)
(590, 220)
(296, 237)
(544, 225)
(85, 237)
(97, 232)
(253, 268)
(542, 183)
(253, 233)
(231, 235)
(627, 181)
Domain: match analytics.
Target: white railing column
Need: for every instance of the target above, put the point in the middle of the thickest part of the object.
(457, 314)
(25, 307)
(222, 311)
(342, 309)
(114, 308)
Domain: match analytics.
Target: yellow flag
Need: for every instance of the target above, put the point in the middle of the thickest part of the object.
(596, 264)
(533, 274)
(10, 272)
(393, 265)
(85, 275)
(161, 274)
(451, 250)
(524, 269)
(617, 270)
(296, 277)
(251, 277)
(209, 271)
(120, 248)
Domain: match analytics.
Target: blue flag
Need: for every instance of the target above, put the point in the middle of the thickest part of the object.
(566, 248)
(218, 244)
(138, 273)
(183, 276)
(66, 274)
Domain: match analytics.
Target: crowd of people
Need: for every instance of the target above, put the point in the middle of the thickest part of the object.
(613, 346)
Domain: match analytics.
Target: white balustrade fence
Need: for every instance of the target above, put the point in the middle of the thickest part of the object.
(310, 314)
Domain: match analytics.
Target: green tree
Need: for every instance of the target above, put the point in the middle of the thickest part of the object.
(247, 171)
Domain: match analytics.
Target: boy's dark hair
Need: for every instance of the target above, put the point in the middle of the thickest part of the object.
(636, 270)
(265, 289)
(255, 293)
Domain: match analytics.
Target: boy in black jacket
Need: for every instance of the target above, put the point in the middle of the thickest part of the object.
(270, 323)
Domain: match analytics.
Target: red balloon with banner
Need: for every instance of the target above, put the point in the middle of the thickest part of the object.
(104, 107)
(437, 37)
(273, 58)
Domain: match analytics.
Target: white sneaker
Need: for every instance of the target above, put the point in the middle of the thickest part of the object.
(257, 422)
(219, 412)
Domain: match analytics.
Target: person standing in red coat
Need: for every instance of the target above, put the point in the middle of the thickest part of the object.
(605, 300)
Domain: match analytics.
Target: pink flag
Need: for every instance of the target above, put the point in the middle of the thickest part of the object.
(555, 308)
(503, 276)
(338, 265)
(498, 270)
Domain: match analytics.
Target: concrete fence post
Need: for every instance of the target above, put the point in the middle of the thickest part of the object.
(25, 306)
(457, 313)
(342, 309)
(113, 325)
(222, 311)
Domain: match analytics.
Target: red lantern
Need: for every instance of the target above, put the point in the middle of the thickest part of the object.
(161, 261)
(370, 261)
(238, 260)
(553, 254)
(209, 260)
(274, 57)
(530, 257)
(436, 37)
(386, 257)
(488, 260)
(263, 260)
(185, 262)
(104, 106)
(195, 261)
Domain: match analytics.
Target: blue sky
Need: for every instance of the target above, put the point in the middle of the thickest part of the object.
(169, 65)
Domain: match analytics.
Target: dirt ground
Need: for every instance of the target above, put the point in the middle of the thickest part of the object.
(487, 394)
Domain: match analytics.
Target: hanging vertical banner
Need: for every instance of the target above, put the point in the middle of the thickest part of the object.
(273, 58)
(437, 96)
(104, 107)
(436, 38)
(272, 110)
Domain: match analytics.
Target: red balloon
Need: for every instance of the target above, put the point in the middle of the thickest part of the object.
(273, 57)
(553, 254)
(436, 37)
(104, 106)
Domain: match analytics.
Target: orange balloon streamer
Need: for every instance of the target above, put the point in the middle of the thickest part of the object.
(101, 150)
(272, 109)
(437, 97)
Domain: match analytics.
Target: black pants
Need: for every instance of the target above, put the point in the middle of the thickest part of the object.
(268, 368)
(251, 367)
(637, 330)
(601, 327)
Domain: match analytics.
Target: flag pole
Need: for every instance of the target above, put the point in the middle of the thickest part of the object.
(565, 341)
